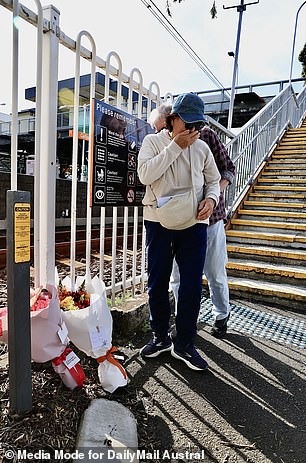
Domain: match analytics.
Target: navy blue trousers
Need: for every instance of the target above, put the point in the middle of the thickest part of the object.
(189, 248)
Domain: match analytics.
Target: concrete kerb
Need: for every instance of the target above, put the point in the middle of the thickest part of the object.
(130, 317)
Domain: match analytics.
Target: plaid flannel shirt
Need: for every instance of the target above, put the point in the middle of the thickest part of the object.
(224, 165)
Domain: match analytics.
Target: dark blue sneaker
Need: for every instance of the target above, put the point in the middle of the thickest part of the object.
(190, 356)
(219, 327)
(156, 346)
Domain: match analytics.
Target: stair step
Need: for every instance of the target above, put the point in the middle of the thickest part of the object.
(283, 160)
(286, 165)
(275, 205)
(267, 271)
(295, 135)
(290, 227)
(286, 295)
(287, 180)
(271, 215)
(284, 175)
(264, 238)
(291, 147)
(286, 168)
(287, 155)
(297, 140)
(285, 171)
(294, 140)
(275, 188)
(297, 130)
(279, 197)
(281, 294)
(275, 170)
(268, 253)
(297, 147)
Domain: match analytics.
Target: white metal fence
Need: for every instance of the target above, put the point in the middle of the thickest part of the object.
(49, 38)
(248, 149)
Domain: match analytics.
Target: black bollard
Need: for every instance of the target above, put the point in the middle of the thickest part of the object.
(18, 297)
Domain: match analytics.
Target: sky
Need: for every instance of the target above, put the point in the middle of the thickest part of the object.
(128, 28)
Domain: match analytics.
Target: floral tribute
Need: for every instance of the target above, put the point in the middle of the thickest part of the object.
(90, 329)
(39, 299)
(73, 300)
(49, 336)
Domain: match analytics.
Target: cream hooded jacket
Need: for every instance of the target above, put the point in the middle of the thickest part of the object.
(165, 169)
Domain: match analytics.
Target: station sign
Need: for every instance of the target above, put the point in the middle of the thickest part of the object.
(117, 139)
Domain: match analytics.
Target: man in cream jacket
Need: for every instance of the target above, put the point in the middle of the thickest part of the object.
(170, 163)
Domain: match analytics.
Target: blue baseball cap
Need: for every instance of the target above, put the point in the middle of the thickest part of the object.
(190, 107)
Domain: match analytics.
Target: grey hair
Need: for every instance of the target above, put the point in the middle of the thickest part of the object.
(161, 111)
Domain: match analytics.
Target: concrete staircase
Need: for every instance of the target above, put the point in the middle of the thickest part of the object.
(267, 239)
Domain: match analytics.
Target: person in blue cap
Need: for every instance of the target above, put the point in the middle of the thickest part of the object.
(169, 164)
(215, 262)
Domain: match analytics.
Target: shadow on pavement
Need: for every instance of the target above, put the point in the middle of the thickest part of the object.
(249, 406)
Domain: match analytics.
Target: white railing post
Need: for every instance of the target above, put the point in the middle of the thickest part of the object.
(107, 77)
(15, 74)
(75, 158)
(153, 83)
(37, 143)
(47, 175)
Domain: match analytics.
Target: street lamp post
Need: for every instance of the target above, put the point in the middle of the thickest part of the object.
(240, 9)
(293, 43)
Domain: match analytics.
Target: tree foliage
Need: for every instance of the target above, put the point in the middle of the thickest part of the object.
(213, 10)
(302, 59)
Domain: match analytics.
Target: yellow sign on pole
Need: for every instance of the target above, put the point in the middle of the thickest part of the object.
(22, 212)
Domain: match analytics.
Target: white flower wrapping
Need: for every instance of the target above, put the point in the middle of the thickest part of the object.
(110, 376)
(90, 330)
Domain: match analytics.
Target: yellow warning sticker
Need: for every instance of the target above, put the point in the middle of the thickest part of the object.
(22, 212)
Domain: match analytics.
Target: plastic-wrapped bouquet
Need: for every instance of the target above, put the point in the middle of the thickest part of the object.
(49, 335)
(48, 332)
(90, 324)
(73, 300)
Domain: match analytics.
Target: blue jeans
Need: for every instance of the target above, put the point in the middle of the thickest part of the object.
(214, 270)
(188, 247)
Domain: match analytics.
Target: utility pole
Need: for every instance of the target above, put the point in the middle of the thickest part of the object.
(240, 9)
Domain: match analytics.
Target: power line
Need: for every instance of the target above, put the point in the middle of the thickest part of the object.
(182, 42)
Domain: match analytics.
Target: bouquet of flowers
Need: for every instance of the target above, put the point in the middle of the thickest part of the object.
(73, 300)
(48, 332)
(90, 324)
(49, 336)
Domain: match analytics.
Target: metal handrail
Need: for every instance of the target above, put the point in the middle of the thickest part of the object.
(257, 139)
(224, 134)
